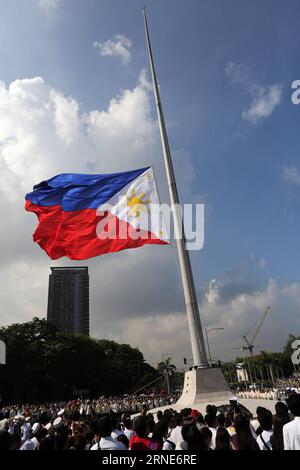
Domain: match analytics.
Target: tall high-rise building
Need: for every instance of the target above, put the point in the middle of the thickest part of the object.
(68, 299)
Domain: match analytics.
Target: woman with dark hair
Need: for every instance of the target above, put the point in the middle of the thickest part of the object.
(160, 435)
(223, 439)
(206, 438)
(279, 420)
(192, 439)
(243, 439)
(221, 420)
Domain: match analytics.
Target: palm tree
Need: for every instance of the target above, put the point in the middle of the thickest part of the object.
(269, 361)
(167, 369)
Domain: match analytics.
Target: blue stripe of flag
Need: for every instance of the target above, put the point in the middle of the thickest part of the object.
(75, 191)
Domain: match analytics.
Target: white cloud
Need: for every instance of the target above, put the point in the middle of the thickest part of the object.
(43, 133)
(157, 334)
(291, 174)
(264, 102)
(119, 46)
(241, 310)
(264, 98)
(231, 306)
(65, 117)
(48, 5)
(235, 72)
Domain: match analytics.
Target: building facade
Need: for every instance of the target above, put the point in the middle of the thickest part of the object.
(68, 299)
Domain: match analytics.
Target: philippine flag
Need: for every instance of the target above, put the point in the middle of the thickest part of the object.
(82, 216)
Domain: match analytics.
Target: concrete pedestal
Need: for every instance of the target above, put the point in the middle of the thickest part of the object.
(204, 386)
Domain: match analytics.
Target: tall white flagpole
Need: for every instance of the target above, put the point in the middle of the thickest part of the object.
(194, 322)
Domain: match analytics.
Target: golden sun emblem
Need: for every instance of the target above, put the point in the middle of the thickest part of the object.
(136, 205)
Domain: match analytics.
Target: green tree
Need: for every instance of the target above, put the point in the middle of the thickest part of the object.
(44, 364)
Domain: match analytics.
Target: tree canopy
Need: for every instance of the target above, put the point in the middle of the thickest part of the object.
(266, 366)
(45, 364)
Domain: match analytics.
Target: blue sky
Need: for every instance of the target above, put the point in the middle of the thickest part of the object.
(218, 64)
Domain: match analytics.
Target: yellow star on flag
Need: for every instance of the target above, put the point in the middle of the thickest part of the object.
(136, 205)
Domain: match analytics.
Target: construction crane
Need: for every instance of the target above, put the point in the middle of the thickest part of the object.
(250, 344)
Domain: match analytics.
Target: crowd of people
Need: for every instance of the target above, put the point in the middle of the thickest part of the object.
(281, 389)
(116, 404)
(80, 427)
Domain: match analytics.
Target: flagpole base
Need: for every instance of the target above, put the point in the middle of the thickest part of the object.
(204, 386)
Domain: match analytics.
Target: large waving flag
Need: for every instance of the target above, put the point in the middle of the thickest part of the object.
(82, 216)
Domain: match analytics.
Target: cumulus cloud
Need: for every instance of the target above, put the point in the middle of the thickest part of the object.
(291, 174)
(264, 102)
(136, 296)
(44, 132)
(119, 47)
(233, 306)
(264, 98)
(238, 308)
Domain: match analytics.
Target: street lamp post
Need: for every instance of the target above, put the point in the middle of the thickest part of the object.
(208, 346)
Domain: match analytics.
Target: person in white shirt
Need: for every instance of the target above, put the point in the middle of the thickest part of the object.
(176, 435)
(161, 432)
(291, 431)
(211, 422)
(264, 439)
(107, 442)
(25, 429)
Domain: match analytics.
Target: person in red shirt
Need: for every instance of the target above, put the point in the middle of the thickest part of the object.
(140, 441)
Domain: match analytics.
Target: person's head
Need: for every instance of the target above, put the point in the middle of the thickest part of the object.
(223, 439)
(210, 409)
(293, 403)
(178, 419)
(127, 423)
(40, 434)
(243, 431)
(144, 410)
(206, 436)
(221, 420)
(140, 426)
(159, 415)
(192, 436)
(210, 420)
(162, 427)
(265, 419)
(124, 440)
(236, 410)
(260, 411)
(105, 426)
(186, 412)
(188, 421)
(281, 409)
